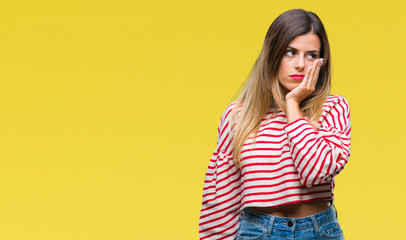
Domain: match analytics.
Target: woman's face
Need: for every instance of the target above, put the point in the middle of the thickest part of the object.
(299, 56)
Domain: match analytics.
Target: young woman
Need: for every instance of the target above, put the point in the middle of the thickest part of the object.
(281, 144)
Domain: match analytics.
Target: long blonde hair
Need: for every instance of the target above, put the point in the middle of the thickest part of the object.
(262, 89)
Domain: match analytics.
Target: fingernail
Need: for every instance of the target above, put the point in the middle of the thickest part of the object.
(321, 60)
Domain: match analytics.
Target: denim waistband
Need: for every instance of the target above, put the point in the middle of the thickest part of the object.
(288, 223)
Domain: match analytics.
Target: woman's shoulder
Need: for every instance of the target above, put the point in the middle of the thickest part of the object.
(230, 106)
(333, 100)
(336, 111)
(227, 112)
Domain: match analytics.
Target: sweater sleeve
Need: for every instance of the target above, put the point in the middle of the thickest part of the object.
(219, 215)
(321, 154)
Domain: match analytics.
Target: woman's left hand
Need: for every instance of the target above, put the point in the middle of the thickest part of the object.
(308, 85)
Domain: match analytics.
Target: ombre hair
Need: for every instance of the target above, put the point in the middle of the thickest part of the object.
(263, 91)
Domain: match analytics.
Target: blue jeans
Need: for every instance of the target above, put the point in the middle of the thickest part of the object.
(260, 226)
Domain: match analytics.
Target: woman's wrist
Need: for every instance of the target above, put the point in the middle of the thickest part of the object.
(291, 101)
(293, 111)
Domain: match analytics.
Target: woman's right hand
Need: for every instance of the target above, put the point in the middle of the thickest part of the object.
(307, 86)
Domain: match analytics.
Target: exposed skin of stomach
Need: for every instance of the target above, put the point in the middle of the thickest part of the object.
(295, 210)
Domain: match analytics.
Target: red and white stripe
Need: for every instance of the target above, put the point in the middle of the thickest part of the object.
(288, 163)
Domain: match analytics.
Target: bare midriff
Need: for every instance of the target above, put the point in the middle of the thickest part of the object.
(295, 210)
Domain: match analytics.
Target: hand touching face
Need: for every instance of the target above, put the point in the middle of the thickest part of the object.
(299, 68)
(308, 85)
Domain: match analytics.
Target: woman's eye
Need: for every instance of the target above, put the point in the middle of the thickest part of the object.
(289, 53)
(312, 56)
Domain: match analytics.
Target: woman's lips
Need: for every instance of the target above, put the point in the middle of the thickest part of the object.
(297, 76)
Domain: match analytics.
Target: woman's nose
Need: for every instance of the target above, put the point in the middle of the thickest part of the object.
(300, 63)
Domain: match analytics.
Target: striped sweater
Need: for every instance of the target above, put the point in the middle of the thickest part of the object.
(289, 163)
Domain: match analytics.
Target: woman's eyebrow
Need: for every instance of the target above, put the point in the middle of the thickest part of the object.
(311, 51)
